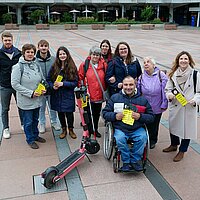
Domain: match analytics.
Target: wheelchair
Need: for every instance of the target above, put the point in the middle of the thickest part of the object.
(110, 147)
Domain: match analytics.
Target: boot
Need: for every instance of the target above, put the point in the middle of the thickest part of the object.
(64, 133)
(72, 134)
(178, 157)
(170, 149)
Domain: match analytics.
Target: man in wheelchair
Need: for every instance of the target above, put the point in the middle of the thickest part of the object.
(129, 112)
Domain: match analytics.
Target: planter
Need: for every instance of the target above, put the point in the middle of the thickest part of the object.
(123, 26)
(71, 26)
(98, 26)
(42, 26)
(170, 26)
(11, 26)
(148, 26)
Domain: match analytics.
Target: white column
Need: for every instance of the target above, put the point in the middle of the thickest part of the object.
(171, 9)
(19, 15)
(198, 18)
(123, 11)
(48, 15)
(158, 11)
(86, 11)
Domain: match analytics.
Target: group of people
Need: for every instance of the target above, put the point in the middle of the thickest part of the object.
(137, 99)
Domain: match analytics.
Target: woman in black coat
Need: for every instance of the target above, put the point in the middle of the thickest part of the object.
(122, 65)
(62, 79)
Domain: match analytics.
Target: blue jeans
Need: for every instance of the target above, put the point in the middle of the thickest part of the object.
(6, 94)
(139, 137)
(30, 119)
(52, 113)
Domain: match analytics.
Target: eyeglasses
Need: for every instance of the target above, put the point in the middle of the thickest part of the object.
(121, 49)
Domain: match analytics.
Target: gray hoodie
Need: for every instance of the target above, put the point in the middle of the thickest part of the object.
(25, 83)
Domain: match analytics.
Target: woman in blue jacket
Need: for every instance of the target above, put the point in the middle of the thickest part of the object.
(62, 79)
(122, 65)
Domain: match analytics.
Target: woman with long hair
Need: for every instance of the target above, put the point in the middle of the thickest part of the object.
(122, 65)
(106, 51)
(182, 112)
(62, 79)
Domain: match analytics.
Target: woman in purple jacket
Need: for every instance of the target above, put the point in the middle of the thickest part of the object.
(151, 84)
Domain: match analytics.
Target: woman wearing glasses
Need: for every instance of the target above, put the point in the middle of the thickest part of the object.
(122, 65)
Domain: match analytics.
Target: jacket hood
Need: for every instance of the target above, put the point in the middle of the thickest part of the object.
(22, 61)
(39, 57)
(137, 94)
(156, 69)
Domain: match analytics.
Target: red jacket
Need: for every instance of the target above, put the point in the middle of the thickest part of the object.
(94, 88)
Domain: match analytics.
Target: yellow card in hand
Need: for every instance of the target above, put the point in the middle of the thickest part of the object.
(127, 118)
(39, 88)
(182, 100)
(84, 103)
(59, 78)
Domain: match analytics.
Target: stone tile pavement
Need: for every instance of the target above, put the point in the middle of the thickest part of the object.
(164, 179)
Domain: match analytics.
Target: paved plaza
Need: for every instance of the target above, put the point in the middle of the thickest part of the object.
(20, 166)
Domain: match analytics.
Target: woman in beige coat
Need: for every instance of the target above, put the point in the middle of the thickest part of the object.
(182, 118)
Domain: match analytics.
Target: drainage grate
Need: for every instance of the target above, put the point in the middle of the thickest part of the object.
(40, 189)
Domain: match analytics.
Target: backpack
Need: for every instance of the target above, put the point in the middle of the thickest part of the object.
(195, 80)
(44, 82)
(86, 66)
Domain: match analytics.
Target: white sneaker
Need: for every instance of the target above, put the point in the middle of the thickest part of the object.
(22, 127)
(42, 128)
(56, 126)
(6, 133)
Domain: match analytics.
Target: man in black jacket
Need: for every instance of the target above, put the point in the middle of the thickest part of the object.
(9, 56)
(129, 112)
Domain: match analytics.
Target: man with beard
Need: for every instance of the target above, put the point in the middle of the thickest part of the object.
(9, 56)
(129, 112)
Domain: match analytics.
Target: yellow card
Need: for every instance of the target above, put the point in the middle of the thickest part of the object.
(59, 78)
(39, 88)
(181, 99)
(84, 103)
(127, 118)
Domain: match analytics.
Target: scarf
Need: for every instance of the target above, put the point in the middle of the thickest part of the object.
(9, 51)
(182, 76)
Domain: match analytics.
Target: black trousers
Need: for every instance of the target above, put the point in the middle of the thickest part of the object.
(176, 141)
(96, 110)
(153, 128)
(70, 119)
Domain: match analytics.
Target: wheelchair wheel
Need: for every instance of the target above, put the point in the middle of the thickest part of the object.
(146, 152)
(108, 141)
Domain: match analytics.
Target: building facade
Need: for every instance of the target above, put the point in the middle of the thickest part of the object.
(183, 12)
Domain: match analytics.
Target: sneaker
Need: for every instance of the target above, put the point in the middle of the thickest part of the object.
(41, 128)
(98, 134)
(41, 140)
(56, 126)
(22, 127)
(125, 167)
(137, 166)
(33, 145)
(6, 133)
